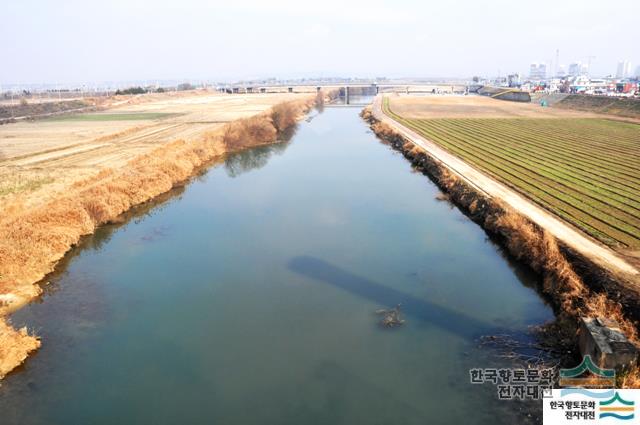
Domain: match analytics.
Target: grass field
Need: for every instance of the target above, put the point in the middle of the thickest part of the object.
(125, 116)
(43, 158)
(585, 170)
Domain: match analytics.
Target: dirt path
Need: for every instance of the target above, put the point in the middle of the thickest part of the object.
(561, 230)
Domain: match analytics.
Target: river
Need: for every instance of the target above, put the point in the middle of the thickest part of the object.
(249, 297)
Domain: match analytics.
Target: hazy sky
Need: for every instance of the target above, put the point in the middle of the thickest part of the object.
(107, 40)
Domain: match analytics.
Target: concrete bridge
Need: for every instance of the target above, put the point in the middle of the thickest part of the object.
(347, 90)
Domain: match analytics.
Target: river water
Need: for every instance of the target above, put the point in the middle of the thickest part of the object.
(248, 297)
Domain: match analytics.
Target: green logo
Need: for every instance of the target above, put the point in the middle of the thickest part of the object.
(597, 377)
(624, 411)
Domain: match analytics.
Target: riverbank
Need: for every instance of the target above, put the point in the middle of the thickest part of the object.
(33, 239)
(576, 285)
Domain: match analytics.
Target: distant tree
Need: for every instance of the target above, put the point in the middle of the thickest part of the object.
(185, 86)
(320, 99)
(131, 90)
(476, 79)
(160, 90)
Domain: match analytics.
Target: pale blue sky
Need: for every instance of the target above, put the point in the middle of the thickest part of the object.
(88, 40)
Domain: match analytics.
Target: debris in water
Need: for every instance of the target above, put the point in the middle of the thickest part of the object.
(523, 349)
(390, 318)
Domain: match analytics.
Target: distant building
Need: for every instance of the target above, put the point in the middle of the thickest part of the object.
(578, 68)
(624, 69)
(626, 86)
(575, 69)
(514, 80)
(538, 71)
(637, 73)
(584, 69)
(561, 71)
(580, 84)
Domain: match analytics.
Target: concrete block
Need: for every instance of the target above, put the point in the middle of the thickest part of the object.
(608, 347)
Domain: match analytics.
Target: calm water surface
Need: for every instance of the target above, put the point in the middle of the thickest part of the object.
(248, 297)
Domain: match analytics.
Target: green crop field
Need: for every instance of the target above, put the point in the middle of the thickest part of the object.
(585, 170)
(124, 116)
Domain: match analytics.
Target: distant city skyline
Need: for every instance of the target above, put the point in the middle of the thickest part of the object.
(84, 41)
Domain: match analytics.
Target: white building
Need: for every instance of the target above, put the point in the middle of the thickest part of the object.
(578, 68)
(513, 80)
(575, 69)
(624, 69)
(584, 69)
(538, 71)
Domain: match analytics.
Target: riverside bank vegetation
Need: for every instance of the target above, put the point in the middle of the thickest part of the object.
(33, 240)
(573, 295)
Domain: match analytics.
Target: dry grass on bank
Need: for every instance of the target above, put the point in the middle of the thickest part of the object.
(539, 249)
(285, 115)
(248, 131)
(15, 346)
(263, 128)
(32, 241)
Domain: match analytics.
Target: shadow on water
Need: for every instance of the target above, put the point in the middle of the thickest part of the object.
(255, 158)
(426, 311)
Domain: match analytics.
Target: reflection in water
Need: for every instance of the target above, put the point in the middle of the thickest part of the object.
(256, 158)
(354, 100)
(97, 240)
(136, 215)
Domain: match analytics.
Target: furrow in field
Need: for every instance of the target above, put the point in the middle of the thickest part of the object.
(533, 167)
(577, 141)
(557, 144)
(560, 168)
(590, 217)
